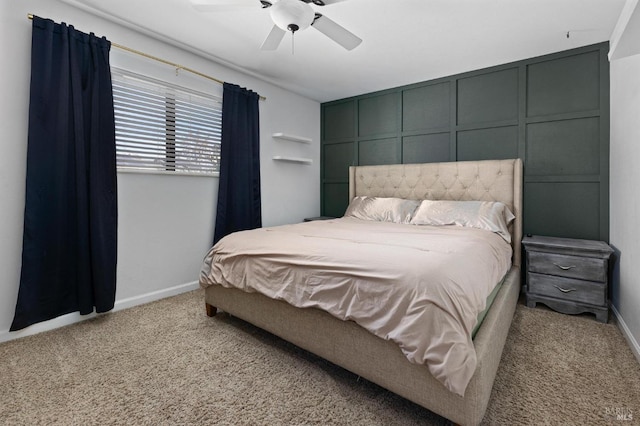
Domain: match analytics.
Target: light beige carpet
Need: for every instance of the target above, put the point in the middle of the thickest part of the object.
(167, 363)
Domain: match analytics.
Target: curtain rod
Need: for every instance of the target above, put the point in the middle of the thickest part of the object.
(164, 61)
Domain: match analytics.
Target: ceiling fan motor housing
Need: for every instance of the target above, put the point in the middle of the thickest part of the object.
(292, 15)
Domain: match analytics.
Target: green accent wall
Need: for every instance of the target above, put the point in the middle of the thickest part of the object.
(552, 111)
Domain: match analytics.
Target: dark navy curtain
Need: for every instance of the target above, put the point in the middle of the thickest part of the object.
(70, 221)
(239, 204)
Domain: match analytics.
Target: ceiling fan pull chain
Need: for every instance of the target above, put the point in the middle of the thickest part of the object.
(293, 34)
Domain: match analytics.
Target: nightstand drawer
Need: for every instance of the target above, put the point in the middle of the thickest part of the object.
(567, 289)
(584, 268)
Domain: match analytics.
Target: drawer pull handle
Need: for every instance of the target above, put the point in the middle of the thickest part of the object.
(565, 290)
(564, 268)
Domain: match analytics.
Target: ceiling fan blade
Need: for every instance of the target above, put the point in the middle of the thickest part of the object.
(223, 5)
(273, 39)
(335, 32)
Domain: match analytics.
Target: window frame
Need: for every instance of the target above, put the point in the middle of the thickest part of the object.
(173, 95)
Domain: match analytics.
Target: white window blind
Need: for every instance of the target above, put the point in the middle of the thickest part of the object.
(165, 128)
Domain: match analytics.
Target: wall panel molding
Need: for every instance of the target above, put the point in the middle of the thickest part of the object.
(551, 111)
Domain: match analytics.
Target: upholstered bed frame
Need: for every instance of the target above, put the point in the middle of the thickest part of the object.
(380, 361)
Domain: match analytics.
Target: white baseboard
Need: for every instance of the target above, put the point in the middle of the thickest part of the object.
(155, 295)
(633, 343)
(75, 317)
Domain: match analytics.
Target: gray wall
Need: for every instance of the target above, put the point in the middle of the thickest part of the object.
(551, 111)
(625, 201)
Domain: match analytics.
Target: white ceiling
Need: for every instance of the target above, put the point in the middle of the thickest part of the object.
(405, 41)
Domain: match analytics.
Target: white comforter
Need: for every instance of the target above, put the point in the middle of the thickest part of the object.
(419, 286)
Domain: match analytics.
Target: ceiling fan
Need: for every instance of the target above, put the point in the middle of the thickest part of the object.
(291, 16)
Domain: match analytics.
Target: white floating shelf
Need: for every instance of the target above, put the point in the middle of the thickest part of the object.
(293, 159)
(293, 138)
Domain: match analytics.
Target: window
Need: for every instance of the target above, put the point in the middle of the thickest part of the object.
(165, 128)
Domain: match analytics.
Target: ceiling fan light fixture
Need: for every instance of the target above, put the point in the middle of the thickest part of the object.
(292, 15)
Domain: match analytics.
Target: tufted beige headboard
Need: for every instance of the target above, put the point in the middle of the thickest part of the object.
(490, 180)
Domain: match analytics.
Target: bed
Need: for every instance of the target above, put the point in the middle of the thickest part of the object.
(383, 360)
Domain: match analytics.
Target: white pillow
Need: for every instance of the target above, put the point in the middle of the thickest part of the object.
(397, 210)
(488, 215)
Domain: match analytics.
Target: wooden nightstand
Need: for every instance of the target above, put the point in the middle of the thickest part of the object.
(568, 275)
